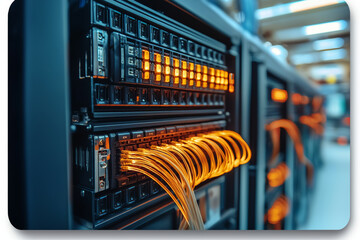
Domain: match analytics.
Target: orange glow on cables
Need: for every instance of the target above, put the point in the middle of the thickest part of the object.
(279, 95)
(278, 211)
(294, 134)
(312, 123)
(277, 176)
(317, 103)
(180, 166)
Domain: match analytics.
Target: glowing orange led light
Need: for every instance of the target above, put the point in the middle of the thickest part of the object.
(191, 75)
(184, 73)
(231, 88)
(146, 75)
(176, 80)
(191, 83)
(217, 73)
(158, 77)
(205, 69)
(183, 64)
(296, 98)
(183, 81)
(218, 80)
(145, 54)
(176, 72)
(198, 76)
(167, 70)
(198, 83)
(167, 60)
(205, 84)
(198, 68)
(167, 79)
(146, 66)
(176, 62)
(157, 57)
(191, 66)
(212, 79)
(158, 68)
(205, 78)
(279, 95)
(212, 71)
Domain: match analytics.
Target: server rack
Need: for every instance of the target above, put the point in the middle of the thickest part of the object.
(134, 84)
(99, 118)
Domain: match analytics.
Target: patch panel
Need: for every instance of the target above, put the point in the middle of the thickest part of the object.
(128, 56)
(102, 184)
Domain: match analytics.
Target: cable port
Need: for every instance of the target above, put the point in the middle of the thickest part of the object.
(102, 95)
(155, 34)
(116, 20)
(176, 97)
(144, 30)
(156, 98)
(130, 25)
(167, 97)
(165, 38)
(131, 95)
(101, 14)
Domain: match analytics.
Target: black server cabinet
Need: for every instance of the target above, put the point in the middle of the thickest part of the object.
(124, 98)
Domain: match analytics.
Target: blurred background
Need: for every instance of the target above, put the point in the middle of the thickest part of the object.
(314, 37)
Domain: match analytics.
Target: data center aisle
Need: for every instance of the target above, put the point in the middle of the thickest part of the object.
(330, 207)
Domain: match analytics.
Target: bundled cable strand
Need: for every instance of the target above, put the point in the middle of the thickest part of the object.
(313, 122)
(180, 166)
(294, 133)
(278, 211)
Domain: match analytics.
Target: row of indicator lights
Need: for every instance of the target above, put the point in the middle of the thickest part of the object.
(281, 96)
(187, 73)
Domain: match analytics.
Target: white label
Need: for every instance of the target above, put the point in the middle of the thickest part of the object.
(100, 54)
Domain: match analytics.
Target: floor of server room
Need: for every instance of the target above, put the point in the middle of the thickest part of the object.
(330, 208)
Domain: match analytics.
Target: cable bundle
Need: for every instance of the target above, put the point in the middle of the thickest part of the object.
(295, 136)
(278, 211)
(278, 175)
(313, 122)
(182, 165)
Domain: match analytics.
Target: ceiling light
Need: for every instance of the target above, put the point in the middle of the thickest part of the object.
(298, 6)
(331, 43)
(311, 4)
(333, 54)
(325, 27)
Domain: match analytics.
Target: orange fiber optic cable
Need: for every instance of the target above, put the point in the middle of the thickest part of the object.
(180, 166)
(294, 133)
